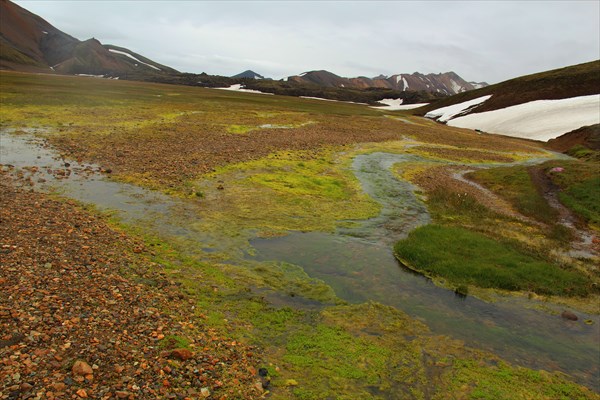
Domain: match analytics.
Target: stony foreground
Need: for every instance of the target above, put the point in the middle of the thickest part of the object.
(81, 316)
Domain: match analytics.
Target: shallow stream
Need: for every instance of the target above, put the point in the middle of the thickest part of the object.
(358, 263)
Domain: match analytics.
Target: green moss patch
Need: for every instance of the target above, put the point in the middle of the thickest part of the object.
(579, 183)
(294, 191)
(465, 257)
(472, 380)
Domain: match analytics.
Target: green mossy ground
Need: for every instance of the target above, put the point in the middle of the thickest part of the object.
(579, 184)
(514, 184)
(288, 191)
(314, 345)
(465, 257)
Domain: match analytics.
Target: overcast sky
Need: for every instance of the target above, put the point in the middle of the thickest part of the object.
(480, 40)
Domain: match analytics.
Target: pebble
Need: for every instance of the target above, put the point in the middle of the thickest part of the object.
(82, 368)
(569, 315)
(74, 304)
(181, 354)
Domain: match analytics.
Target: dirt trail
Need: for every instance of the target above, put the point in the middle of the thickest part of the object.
(584, 245)
(491, 200)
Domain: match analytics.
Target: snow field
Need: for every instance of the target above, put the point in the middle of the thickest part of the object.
(133, 58)
(396, 104)
(445, 113)
(538, 120)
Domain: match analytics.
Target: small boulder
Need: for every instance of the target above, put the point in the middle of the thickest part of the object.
(81, 368)
(181, 354)
(569, 315)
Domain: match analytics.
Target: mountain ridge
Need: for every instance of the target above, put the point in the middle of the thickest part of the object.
(30, 43)
(447, 83)
(249, 74)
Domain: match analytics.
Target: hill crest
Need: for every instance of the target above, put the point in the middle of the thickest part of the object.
(447, 83)
(31, 44)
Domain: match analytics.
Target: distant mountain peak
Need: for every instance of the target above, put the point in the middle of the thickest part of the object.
(447, 83)
(248, 74)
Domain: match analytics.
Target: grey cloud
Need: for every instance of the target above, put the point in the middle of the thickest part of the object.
(487, 40)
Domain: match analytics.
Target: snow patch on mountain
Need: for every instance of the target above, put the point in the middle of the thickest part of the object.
(456, 87)
(396, 104)
(133, 58)
(537, 120)
(339, 101)
(445, 113)
(241, 88)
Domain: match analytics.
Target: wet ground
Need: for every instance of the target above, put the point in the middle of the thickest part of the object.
(357, 263)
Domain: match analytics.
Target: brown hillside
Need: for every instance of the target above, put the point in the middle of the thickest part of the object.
(562, 83)
(587, 136)
(29, 43)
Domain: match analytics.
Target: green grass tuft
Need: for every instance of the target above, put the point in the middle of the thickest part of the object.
(465, 257)
(515, 185)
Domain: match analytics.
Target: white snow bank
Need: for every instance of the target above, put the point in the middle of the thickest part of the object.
(445, 113)
(339, 101)
(133, 58)
(239, 88)
(396, 104)
(538, 120)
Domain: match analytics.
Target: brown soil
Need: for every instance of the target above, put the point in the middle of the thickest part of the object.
(587, 136)
(74, 289)
(171, 156)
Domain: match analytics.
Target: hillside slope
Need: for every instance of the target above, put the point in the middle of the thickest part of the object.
(248, 74)
(572, 81)
(30, 43)
(539, 106)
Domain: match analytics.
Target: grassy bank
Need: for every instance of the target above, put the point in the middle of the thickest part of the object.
(464, 257)
(579, 187)
(515, 185)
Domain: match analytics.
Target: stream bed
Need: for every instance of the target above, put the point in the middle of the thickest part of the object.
(356, 262)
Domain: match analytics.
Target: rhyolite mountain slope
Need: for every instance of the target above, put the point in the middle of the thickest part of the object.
(540, 106)
(586, 136)
(448, 83)
(29, 43)
(249, 74)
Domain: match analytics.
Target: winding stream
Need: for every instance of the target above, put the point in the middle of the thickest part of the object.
(360, 266)
(358, 263)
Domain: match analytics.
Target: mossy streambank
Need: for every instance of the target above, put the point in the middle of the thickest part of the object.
(304, 344)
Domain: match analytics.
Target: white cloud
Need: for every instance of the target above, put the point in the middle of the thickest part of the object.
(491, 41)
